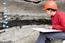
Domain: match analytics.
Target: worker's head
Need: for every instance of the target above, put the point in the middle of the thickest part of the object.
(50, 7)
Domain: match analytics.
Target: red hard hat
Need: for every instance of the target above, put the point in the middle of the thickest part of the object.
(50, 4)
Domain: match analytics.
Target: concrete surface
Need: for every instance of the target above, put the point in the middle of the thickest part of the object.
(23, 35)
(17, 35)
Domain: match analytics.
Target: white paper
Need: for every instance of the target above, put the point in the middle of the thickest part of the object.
(46, 30)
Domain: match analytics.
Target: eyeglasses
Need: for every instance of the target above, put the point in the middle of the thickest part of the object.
(51, 9)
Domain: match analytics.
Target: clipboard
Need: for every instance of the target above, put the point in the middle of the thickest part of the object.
(46, 30)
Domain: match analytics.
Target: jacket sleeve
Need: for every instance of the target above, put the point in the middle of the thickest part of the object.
(62, 22)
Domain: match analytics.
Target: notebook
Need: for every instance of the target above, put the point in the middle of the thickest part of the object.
(45, 30)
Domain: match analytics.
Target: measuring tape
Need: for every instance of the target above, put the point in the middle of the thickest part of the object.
(5, 14)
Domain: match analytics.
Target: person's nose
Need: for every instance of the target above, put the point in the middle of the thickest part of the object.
(50, 11)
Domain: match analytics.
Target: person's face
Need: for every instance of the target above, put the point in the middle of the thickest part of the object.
(51, 12)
